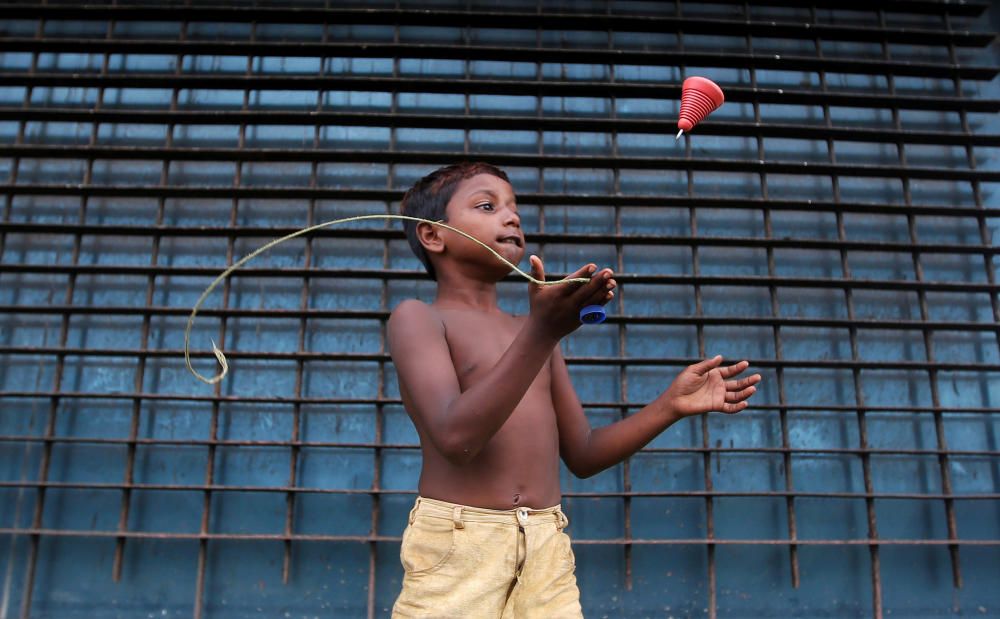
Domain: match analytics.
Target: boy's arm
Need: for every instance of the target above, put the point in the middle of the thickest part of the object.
(461, 423)
(700, 388)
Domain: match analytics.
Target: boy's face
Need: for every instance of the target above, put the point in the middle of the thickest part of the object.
(484, 206)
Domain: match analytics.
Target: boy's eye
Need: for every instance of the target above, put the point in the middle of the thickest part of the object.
(487, 205)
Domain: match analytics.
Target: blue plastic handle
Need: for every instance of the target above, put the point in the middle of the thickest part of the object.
(592, 315)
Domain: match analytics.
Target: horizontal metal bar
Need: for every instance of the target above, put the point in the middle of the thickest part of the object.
(603, 56)
(566, 20)
(103, 230)
(272, 155)
(286, 193)
(551, 88)
(491, 122)
(317, 314)
(368, 539)
(621, 278)
(306, 356)
(27, 438)
(633, 493)
(933, 7)
(289, 401)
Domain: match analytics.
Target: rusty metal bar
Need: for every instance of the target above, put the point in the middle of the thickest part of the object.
(375, 401)
(595, 542)
(324, 118)
(787, 321)
(776, 334)
(126, 503)
(13, 178)
(928, 339)
(622, 329)
(377, 444)
(217, 388)
(707, 494)
(701, 280)
(862, 421)
(29, 228)
(541, 199)
(32, 563)
(700, 335)
(568, 20)
(762, 321)
(243, 154)
(579, 360)
(505, 53)
(553, 88)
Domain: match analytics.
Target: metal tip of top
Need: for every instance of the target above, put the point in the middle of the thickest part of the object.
(678, 136)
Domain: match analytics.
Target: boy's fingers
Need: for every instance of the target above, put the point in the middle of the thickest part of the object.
(739, 396)
(600, 297)
(585, 271)
(537, 268)
(734, 369)
(734, 385)
(729, 409)
(704, 366)
(597, 286)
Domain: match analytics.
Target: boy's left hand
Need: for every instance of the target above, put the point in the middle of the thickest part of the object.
(705, 387)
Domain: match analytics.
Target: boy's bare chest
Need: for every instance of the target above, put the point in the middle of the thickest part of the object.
(477, 342)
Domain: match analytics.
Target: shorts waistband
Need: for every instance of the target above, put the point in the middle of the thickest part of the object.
(460, 514)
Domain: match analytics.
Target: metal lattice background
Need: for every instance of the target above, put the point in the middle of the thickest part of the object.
(834, 222)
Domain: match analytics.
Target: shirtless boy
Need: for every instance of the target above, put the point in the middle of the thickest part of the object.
(493, 405)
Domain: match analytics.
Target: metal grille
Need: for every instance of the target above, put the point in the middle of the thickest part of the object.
(834, 222)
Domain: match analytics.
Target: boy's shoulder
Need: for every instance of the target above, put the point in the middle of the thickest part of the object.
(414, 310)
(414, 316)
(417, 308)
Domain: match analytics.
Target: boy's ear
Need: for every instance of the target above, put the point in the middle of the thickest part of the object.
(430, 237)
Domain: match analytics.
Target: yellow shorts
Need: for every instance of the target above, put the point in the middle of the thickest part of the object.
(468, 562)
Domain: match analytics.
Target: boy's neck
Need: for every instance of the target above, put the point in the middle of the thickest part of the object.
(466, 293)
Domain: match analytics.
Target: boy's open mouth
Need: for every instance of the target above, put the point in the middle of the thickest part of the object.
(515, 240)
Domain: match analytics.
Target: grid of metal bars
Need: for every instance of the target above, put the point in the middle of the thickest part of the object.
(756, 27)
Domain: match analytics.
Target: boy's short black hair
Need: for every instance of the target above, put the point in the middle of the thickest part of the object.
(429, 197)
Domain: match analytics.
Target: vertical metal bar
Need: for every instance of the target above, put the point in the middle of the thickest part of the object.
(379, 427)
(984, 233)
(977, 194)
(944, 466)
(465, 95)
(295, 449)
(700, 330)
(116, 570)
(862, 424)
(28, 447)
(539, 113)
(793, 548)
(377, 454)
(217, 391)
(859, 396)
(43, 469)
(622, 368)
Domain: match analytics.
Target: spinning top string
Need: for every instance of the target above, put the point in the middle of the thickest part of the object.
(222, 358)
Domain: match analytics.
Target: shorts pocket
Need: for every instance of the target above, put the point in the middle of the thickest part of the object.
(566, 549)
(427, 545)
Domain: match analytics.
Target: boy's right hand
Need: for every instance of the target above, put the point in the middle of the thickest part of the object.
(557, 308)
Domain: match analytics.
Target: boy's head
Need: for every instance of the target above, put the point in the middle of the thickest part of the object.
(429, 198)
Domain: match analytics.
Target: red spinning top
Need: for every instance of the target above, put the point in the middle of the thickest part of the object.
(699, 98)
